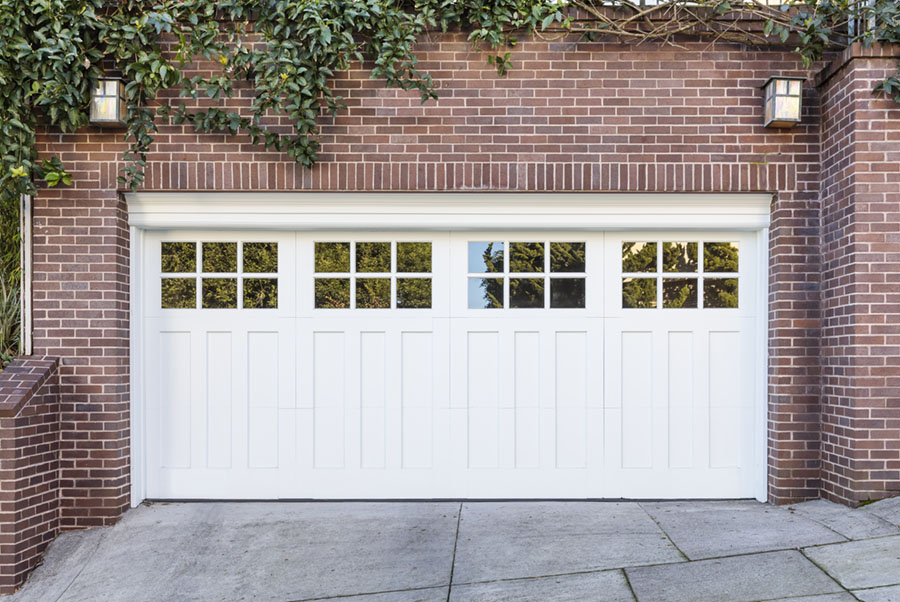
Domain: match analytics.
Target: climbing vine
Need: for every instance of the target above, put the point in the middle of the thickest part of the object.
(289, 51)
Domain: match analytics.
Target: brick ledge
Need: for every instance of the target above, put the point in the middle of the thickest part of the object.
(21, 380)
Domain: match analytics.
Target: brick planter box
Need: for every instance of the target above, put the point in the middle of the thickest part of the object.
(29, 466)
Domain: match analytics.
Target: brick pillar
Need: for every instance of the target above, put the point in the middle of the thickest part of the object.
(81, 316)
(861, 278)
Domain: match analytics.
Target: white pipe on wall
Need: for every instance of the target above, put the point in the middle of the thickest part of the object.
(25, 221)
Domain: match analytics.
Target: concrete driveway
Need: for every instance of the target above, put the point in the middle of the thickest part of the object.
(384, 552)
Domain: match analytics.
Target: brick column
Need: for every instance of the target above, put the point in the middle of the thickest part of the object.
(81, 316)
(861, 278)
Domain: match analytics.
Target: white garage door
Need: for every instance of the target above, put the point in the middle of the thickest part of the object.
(528, 364)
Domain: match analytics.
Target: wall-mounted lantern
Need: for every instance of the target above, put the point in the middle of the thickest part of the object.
(784, 97)
(108, 105)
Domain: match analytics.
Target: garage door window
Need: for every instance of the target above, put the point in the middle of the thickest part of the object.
(373, 275)
(526, 274)
(231, 275)
(669, 274)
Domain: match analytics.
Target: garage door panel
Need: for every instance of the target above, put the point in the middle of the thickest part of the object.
(363, 398)
(176, 383)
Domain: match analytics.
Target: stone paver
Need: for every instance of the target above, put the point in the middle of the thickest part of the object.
(859, 564)
(716, 529)
(842, 597)
(879, 594)
(514, 540)
(766, 576)
(849, 522)
(437, 594)
(888, 509)
(496, 551)
(609, 586)
(270, 551)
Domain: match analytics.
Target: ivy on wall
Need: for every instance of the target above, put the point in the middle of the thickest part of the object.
(289, 51)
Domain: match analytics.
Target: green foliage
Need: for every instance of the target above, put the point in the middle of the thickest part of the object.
(9, 322)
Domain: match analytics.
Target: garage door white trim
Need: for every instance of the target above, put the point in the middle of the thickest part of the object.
(447, 211)
(435, 211)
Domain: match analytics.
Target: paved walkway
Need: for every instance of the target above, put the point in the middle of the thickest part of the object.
(386, 552)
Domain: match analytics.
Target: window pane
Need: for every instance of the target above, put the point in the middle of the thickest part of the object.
(414, 293)
(414, 257)
(333, 257)
(526, 292)
(332, 293)
(638, 292)
(220, 293)
(485, 293)
(720, 257)
(179, 257)
(567, 292)
(567, 257)
(720, 292)
(261, 257)
(178, 293)
(373, 257)
(680, 256)
(220, 257)
(373, 293)
(485, 257)
(638, 257)
(679, 292)
(260, 293)
(526, 257)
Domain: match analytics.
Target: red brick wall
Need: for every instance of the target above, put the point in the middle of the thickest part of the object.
(861, 279)
(586, 116)
(29, 466)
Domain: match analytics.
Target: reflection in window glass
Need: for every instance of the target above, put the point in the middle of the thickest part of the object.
(485, 257)
(220, 257)
(219, 293)
(373, 257)
(679, 256)
(332, 293)
(720, 292)
(332, 257)
(261, 257)
(179, 257)
(373, 293)
(526, 292)
(260, 293)
(526, 257)
(679, 292)
(485, 293)
(414, 293)
(178, 293)
(567, 293)
(414, 257)
(638, 257)
(720, 257)
(567, 257)
(638, 292)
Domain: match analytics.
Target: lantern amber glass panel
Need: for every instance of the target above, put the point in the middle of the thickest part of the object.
(108, 102)
(783, 101)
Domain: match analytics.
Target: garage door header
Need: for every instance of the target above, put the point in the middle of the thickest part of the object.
(448, 211)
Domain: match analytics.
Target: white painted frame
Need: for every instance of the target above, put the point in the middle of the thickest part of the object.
(473, 211)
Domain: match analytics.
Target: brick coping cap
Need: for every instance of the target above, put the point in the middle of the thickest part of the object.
(21, 380)
(857, 50)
